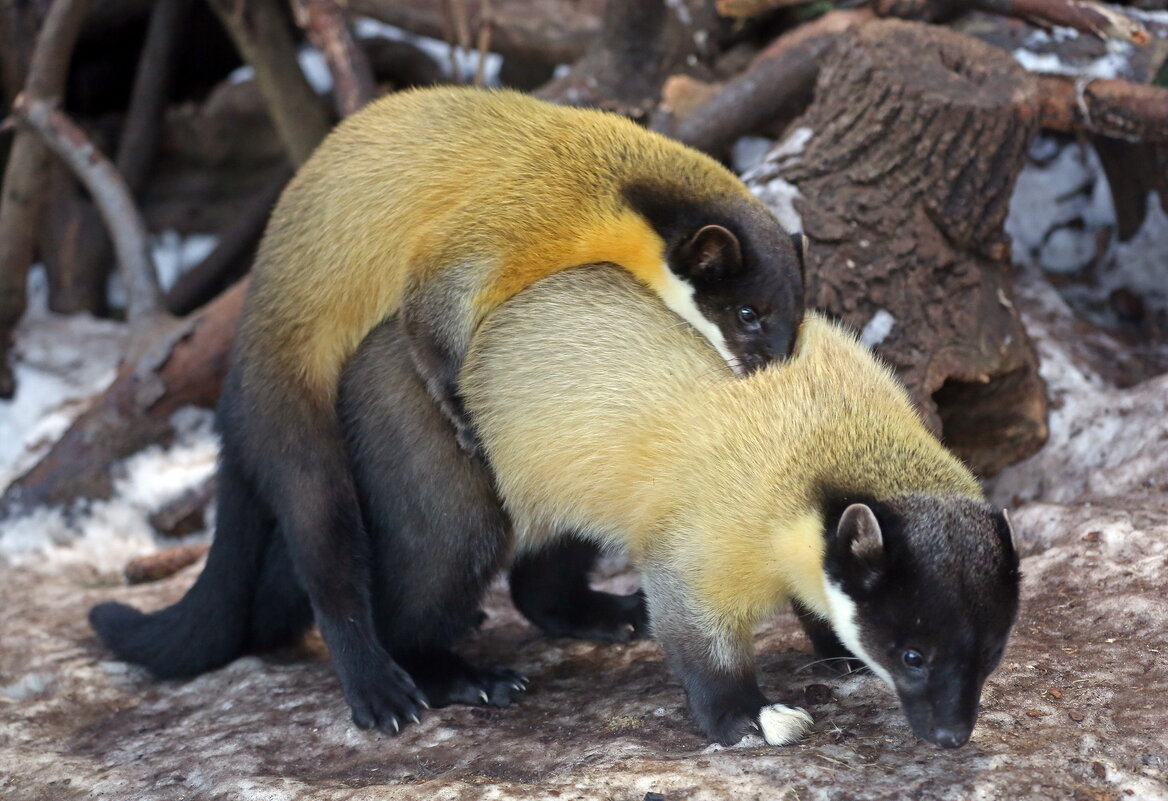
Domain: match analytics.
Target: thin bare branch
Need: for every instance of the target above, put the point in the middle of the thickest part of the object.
(486, 23)
(262, 35)
(25, 178)
(139, 137)
(327, 26)
(113, 199)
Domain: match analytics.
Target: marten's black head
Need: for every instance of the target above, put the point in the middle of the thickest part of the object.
(925, 590)
(739, 274)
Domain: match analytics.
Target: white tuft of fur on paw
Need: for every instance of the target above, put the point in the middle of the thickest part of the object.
(782, 724)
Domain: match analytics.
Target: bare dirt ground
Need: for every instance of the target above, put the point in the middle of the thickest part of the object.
(1076, 710)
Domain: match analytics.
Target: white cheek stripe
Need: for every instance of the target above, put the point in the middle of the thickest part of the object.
(842, 611)
(679, 297)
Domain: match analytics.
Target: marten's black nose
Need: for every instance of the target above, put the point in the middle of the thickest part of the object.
(948, 738)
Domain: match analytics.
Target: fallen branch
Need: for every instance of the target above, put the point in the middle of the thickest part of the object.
(109, 192)
(186, 367)
(327, 27)
(25, 178)
(743, 9)
(1116, 108)
(1101, 20)
(1082, 15)
(546, 31)
(162, 564)
(776, 79)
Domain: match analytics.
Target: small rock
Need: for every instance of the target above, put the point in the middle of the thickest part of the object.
(1075, 715)
(1099, 770)
(653, 797)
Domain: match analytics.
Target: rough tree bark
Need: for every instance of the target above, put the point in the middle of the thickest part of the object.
(916, 137)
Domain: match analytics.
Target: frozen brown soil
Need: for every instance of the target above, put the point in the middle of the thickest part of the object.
(1076, 711)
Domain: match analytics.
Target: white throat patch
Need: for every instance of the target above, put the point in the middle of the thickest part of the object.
(842, 612)
(679, 297)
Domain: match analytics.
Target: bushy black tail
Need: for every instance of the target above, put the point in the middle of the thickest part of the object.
(222, 616)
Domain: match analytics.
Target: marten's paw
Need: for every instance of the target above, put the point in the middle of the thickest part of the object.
(782, 725)
(595, 615)
(447, 678)
(384, 697)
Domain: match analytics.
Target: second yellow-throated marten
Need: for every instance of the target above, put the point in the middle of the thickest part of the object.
(812, 480)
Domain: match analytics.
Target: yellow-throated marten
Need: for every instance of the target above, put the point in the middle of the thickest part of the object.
(437, 205)
(812, 480)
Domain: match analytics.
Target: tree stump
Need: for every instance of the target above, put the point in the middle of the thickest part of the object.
(913, 144)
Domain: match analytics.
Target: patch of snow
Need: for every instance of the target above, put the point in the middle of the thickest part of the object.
(681, 10)
(1067, 251)
(878, 328)
(467, 61)
(769, 186)
(173, 255)
(1115, 63)
(1067, 193)
(59, 363)
(241, 74)
(1104, 442)
(748, 152)
(780, 196)
(315, 69)
(1141, 263)
(107, 534)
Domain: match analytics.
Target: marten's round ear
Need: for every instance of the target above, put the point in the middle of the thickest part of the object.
(859, 533)
(709, 254)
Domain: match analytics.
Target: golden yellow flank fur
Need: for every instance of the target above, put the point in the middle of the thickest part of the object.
(496, 184)
(619, 422)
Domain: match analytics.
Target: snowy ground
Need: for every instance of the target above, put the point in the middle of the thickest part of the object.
(1076, 711)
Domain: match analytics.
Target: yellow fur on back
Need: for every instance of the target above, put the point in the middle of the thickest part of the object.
(495, 183)
(602, 413)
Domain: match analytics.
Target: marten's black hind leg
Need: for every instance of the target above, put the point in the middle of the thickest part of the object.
(550, 587)
(438, 532)
(446, 678)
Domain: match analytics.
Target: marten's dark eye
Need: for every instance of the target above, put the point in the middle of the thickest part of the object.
(747, 315)
(914, 659)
